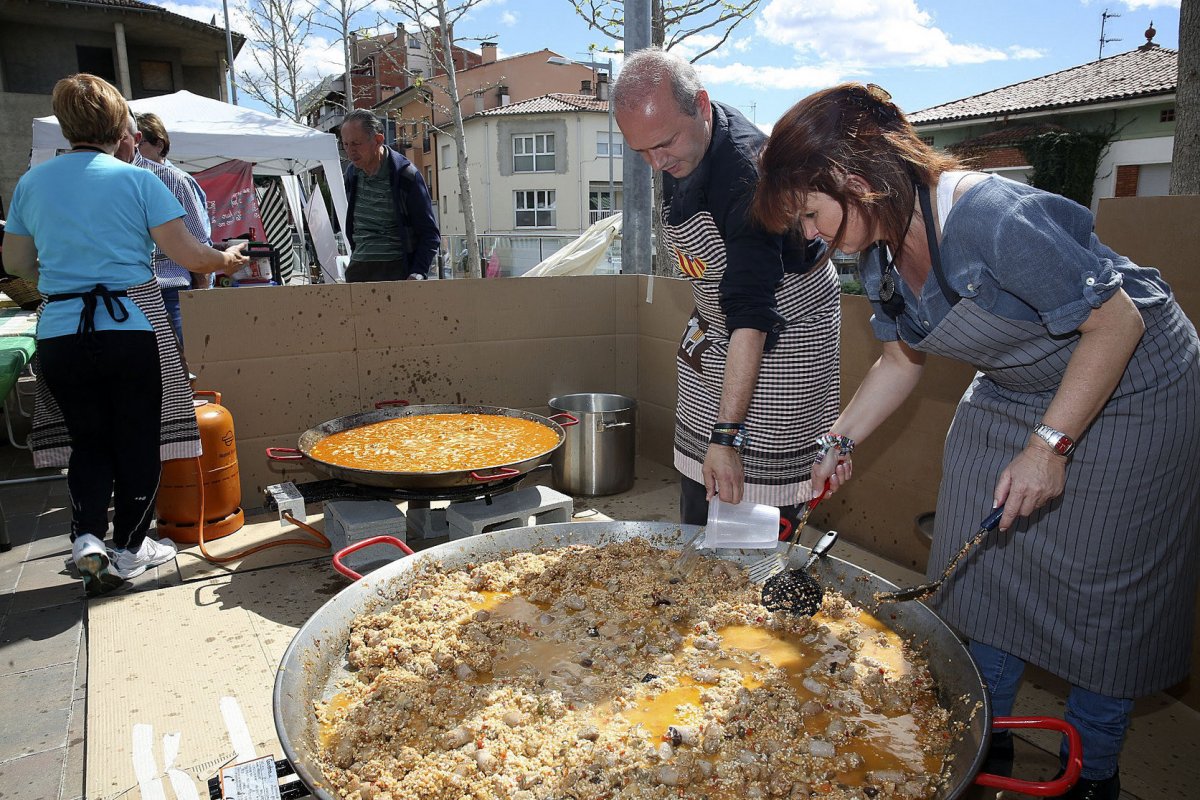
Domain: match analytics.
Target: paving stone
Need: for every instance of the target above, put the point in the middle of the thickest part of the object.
(46, 545)
(73, 773)
(10, 574)
(46, 582)
(42, 695)
(39, 638)
(33, 777)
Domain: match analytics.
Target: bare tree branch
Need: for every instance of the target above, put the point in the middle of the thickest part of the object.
(279, 30)
(342, 18)
(436, 20)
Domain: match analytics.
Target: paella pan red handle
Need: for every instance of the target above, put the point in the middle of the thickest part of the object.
(354, 548)
(1052, 788)
(284, 454)
(566, 420)
(389, 403)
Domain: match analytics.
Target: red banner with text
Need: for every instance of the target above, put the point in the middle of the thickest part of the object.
(232, 206)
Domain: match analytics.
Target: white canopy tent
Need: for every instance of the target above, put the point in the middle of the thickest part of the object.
(206, 132)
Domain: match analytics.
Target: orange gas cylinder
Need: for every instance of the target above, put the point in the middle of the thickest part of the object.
(179, 501)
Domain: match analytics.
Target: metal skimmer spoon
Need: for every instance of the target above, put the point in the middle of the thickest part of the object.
(926, 589)
(795, 591)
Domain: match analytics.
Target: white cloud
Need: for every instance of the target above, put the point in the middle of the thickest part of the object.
(508, 18)
(1016, 51)
(783, 78)
(1134, 5)
(885, 33)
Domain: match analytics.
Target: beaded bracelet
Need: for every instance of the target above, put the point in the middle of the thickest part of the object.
(828, 441)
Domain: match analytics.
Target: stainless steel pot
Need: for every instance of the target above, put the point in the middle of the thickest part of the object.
(597, 456)
(483, 474)
(315, 660)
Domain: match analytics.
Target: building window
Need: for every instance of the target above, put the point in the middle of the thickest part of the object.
(157, 76)
(1166, 115)
(534, 209)
(927, 140)
(428, 177)
(445, 156)
(600, 205)
(618, 144)
(533, 152)
(98, 61)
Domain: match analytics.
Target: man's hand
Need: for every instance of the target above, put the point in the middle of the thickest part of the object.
(723, 473)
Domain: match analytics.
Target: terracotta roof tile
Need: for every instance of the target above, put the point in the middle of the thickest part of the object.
(553, 103)
(1138, 73)
(1005, 137)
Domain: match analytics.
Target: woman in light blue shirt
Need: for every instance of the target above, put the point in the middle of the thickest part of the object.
(113, 399)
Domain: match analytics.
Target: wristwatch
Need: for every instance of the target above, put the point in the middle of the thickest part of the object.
(1063, 445)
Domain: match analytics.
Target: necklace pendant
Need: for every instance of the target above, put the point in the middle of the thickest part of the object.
(887, 286)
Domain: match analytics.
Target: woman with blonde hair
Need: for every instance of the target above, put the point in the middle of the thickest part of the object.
(1081, 420)
(113, 400)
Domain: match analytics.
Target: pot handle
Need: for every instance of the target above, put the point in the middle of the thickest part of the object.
(502, 472)
(1052, 788)
(354, 548)
(284, 454)
(569, 419)
(386, 403)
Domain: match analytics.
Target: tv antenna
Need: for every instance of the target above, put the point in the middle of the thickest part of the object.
(1104, 18)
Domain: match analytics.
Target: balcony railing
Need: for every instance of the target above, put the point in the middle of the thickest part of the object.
(330, 120)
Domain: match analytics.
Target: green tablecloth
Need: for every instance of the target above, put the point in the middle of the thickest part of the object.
(15, 353)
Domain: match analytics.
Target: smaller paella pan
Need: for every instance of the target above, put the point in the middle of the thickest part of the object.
(475, 445)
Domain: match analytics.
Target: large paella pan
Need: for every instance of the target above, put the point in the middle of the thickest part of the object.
(315, 664)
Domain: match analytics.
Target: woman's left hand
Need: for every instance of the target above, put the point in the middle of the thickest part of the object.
(1035, 477)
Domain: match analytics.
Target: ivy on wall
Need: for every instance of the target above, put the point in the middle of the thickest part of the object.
(1065, 162)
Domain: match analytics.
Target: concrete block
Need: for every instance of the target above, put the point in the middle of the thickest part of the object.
(350, 521)
(533, 505)
(427, 523)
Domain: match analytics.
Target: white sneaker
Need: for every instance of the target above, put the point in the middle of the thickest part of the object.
(152, 553)
(89, 555)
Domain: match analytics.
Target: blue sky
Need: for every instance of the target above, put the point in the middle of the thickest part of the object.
(924, 52)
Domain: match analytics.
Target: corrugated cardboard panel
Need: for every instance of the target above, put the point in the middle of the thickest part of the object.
(286, 393)
(403, 313)
(1161, 232)
(165, 659)
(257, 472)
(658, 380)
(501, 373)
(236, 324)
(1158, 232)
(666, 315)
(656, 432)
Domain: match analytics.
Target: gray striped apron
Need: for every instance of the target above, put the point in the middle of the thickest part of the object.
(180, 437)
(798, 391)
(1098, 586)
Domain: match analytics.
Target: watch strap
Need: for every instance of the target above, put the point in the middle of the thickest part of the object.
(1061, 443)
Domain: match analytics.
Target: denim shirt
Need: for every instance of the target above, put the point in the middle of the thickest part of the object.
(1019, 253)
